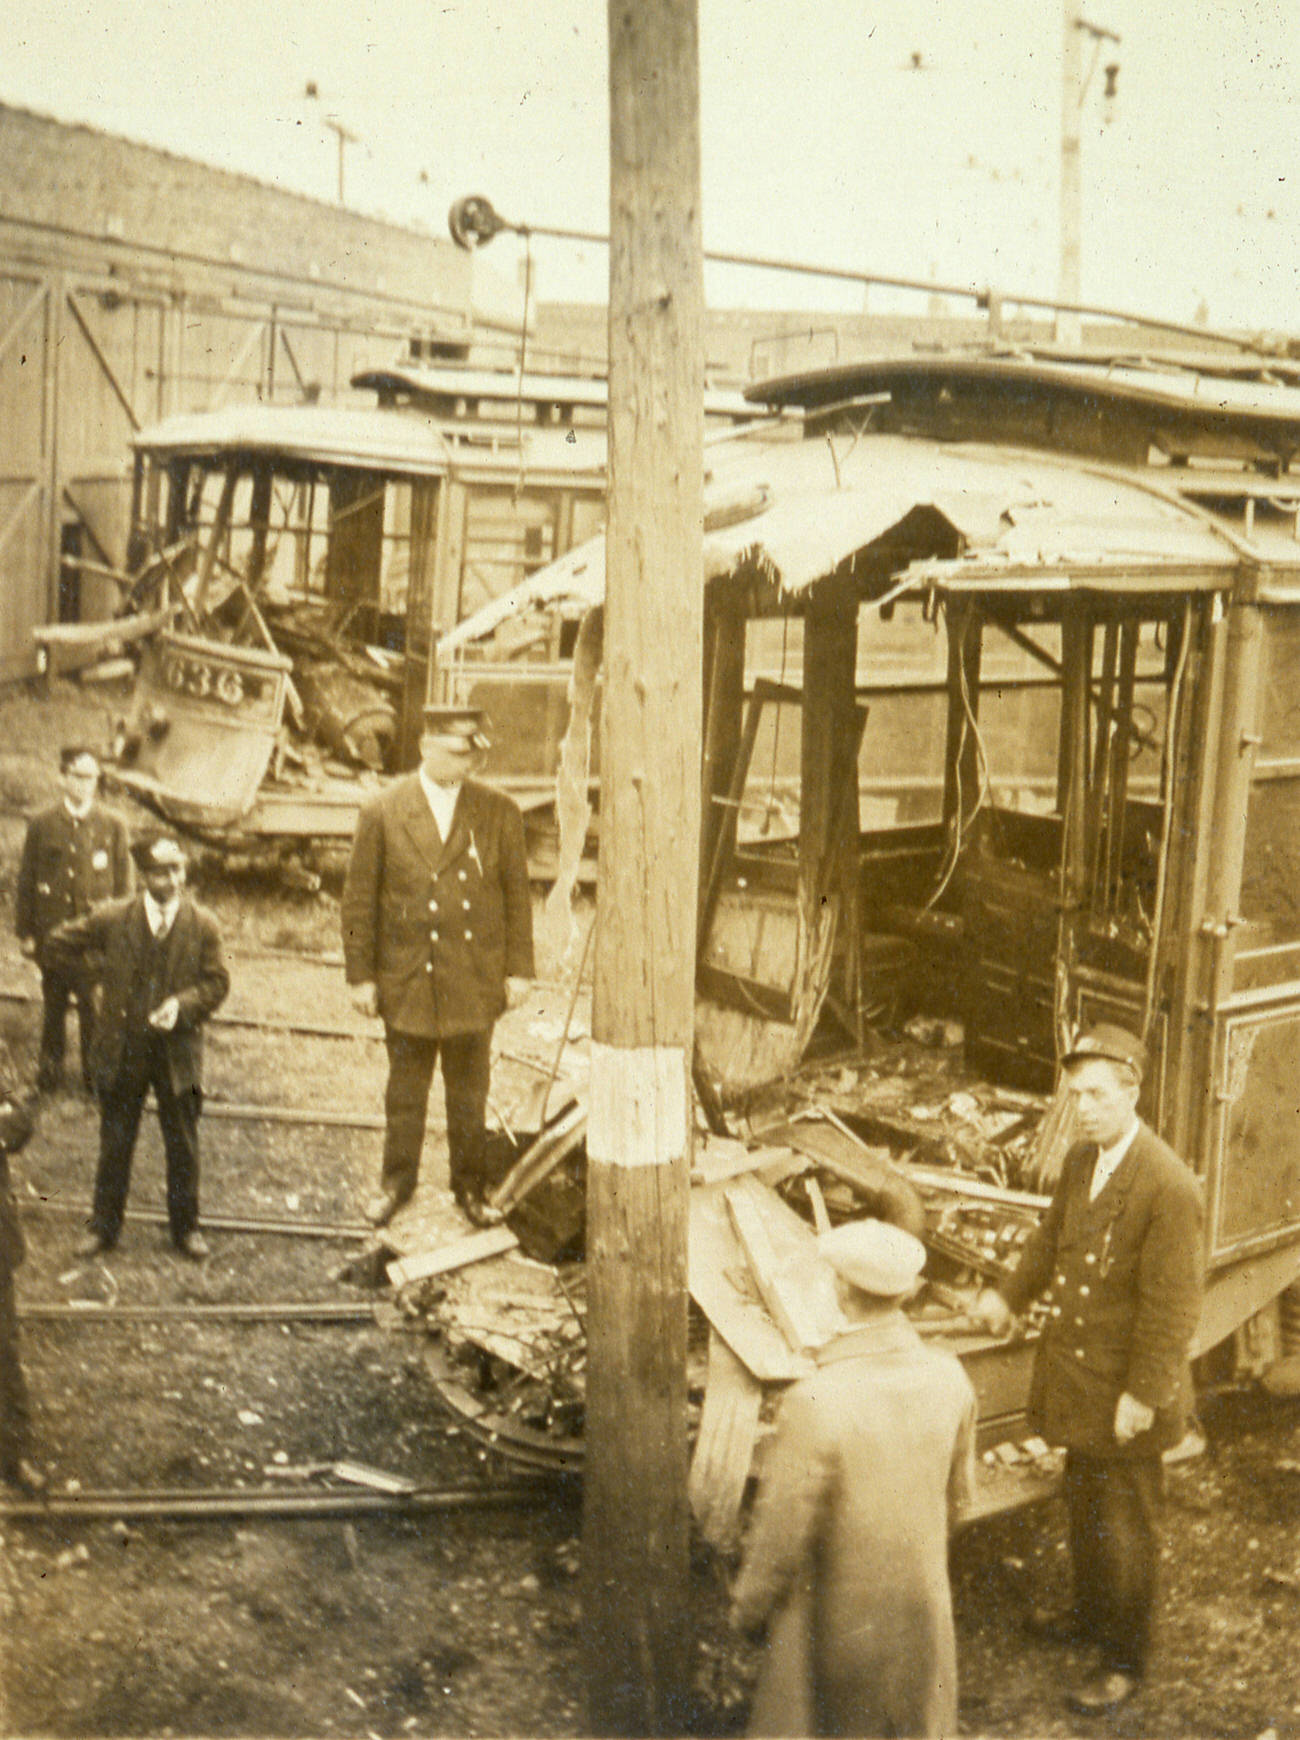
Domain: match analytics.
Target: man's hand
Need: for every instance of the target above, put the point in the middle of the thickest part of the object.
(744, 1625)
(1131, 1418)
(516, 990)
(992, 1312)
(165, 1016)
(27, 947)
(365, 997)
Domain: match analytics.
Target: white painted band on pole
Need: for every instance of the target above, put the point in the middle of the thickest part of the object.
(638, 1105)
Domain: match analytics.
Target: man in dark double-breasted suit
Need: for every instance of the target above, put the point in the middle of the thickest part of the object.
(1118, 1261)
(74, 855)
(162, 973)
(438, 941)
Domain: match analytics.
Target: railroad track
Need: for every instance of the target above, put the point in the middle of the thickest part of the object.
(201, 1502)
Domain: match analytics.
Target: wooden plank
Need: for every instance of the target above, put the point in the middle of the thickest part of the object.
(724, 1445)
(721, 1286)
(718, 1158)
(792, 1280)
(377, 1479)
(782, 1293)
(96, 636)
(476, 1247)
(540, 1158)
(821, 1220)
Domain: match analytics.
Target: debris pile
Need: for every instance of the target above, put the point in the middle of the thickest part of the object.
(906, 1134)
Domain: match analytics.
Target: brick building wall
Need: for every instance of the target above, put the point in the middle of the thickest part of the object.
(80, 187)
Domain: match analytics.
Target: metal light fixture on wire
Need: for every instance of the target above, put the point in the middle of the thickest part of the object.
(474, 221)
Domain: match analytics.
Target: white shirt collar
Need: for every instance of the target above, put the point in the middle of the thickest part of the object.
(1108, 1159)
(442, 801)
(78, 812)
(161, 918)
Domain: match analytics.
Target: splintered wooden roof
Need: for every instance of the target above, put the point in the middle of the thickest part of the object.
(787, 515)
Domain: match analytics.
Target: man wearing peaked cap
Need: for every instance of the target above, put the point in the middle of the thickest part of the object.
(74, 856)
(438, 941)
(162, 973)
(1115, 1044)
(1117, 1259)
(846, 1567)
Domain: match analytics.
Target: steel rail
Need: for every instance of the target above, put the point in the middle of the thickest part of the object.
(260, 1024)
(248, 1112)
(297, 1311)
(216, 1222)
(199, 1503)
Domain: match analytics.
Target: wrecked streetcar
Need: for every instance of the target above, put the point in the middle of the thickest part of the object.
(291, 569)
(1001, 738)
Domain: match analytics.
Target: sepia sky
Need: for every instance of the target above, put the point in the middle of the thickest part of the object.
(918, 138)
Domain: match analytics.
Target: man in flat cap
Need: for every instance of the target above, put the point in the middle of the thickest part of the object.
(74, 855)
(1118, 1260)
(846, 1567)
(162, 973)
(438, 941)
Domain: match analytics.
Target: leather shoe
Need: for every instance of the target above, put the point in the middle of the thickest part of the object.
(194, 1246)
(1102, 1692)
(1052, 1624)
(475, 1209)
(24, 1476)
(382, 1207)
(93, 1246)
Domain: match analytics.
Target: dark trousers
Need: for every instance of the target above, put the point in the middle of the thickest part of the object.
(466, 1074)
(58, 987)
(1113, 1509)
(14, 1413)
(119, 1124)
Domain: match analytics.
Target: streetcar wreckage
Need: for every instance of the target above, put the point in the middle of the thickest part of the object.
(1001, 739)
(290, 569)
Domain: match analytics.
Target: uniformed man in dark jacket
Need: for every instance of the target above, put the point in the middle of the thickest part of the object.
(162, 973)
(1118, 1260)
(17, 1120)
(438, 941)
(74, 855)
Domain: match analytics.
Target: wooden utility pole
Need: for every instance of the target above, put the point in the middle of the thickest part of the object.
(1069, 327)
(636, 1522)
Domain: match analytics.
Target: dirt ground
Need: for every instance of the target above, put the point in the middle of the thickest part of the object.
(461, 1622)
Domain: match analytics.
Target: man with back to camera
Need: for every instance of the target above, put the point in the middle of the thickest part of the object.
(872, 1463)
(438, 941)
(74, 855)
(162, 974)
(1118, 1259)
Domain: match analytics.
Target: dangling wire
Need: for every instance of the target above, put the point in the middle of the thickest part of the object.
(527, 234)
(961, 830)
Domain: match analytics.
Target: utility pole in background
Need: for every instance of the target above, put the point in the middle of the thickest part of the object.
(1074, 88)
(346, 138)
(639, 1128)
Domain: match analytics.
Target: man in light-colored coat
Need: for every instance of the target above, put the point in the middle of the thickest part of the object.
(846, 1568)
(437, 941)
